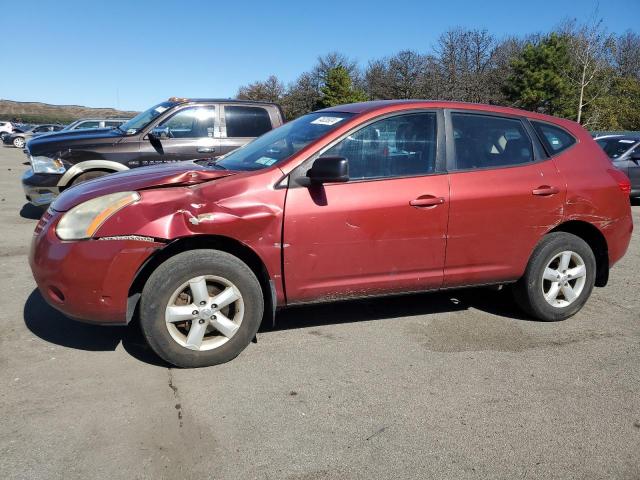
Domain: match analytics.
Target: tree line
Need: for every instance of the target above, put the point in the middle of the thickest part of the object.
(578, 71)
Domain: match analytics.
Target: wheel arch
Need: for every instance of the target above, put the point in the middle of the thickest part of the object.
(217, 242)
(88, 166)
(596, 241)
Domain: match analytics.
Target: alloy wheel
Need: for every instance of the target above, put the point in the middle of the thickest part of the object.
(18, 142)
(564, 279)
(204, 312)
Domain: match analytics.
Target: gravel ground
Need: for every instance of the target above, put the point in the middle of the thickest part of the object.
(451, 385)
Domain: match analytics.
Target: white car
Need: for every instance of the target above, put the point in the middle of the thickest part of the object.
(5, 129)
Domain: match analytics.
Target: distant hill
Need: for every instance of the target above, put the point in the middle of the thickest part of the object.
(37, 112)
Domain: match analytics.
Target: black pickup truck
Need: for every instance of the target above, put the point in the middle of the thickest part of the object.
(175, 130)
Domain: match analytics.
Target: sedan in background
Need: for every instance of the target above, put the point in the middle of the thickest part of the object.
(624, 152)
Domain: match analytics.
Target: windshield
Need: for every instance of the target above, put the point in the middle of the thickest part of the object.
(283, 142)
(616, 147)
(143, 119)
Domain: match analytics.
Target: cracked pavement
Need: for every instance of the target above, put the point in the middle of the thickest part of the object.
(450, 385)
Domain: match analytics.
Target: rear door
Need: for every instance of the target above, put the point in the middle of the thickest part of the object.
(242, 123)
(382, 231)
(505, 194)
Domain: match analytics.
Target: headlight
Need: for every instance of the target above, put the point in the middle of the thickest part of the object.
(83, 220)
(47, 165)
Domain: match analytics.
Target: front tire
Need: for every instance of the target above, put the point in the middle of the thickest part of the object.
(559, 278)
(18, 142)
(201, 308)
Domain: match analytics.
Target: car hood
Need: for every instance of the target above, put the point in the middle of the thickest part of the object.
(155, 176)
(55, 141)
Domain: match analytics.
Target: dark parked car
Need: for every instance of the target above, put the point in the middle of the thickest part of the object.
(624, 152)
(19, 139)
(356, 200)
(175, 130)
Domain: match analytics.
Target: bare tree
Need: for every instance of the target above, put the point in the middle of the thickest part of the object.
(590, 52)
(377, 83)
(302, 96)
(627, 54)
(271, 90)
(465, 59)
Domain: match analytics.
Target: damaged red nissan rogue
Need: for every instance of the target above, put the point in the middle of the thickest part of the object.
(352, 201)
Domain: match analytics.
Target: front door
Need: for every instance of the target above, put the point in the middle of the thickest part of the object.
(384, 230)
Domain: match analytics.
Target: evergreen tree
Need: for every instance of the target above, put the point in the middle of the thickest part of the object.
(338, 89)
(537, 81)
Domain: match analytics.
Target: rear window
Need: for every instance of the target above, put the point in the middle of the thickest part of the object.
(244, 121)
(615, 147)
(555, 139)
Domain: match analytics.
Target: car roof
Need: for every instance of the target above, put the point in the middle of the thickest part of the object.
(217, 100)
(365, 107)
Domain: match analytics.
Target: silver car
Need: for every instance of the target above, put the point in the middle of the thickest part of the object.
(624, 152)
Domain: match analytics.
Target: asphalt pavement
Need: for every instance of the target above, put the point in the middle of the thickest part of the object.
(432, 386)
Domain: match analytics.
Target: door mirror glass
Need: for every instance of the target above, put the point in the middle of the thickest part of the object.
(327, 170)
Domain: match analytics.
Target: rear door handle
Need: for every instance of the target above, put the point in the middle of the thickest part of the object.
(206, 149)
(427, 201)
(545, 190)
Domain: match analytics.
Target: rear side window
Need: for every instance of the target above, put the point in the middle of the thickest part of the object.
(112, 123)
(555, 139)
(483, 141)
(244, 121)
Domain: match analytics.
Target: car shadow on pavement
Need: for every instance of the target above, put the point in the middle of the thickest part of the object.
(635, 202)
(31, 212)
(487, 300)
(54, 327)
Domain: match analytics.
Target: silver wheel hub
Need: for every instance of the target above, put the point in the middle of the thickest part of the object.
(204, 312)
(563, 279)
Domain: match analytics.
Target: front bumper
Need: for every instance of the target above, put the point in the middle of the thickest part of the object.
(87, 280)
(40, 188)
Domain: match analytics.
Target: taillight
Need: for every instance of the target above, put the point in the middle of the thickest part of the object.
(623, 181)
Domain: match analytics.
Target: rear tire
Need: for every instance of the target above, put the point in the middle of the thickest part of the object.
(180, 299)
(18, 142)
(559, 278)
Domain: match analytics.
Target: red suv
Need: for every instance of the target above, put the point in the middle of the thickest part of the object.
(356, 200)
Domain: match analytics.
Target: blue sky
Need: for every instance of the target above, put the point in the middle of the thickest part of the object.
(132, 54)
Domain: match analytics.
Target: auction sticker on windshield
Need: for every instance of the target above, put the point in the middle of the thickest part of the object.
(326, 120)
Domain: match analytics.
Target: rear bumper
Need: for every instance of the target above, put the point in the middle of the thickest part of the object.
(40, 188)
(86, 280)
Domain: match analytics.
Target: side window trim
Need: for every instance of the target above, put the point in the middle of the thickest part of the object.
(440, 167)
(539, 154)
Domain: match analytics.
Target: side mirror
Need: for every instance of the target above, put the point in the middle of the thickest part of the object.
(326, 170)
(160, 132)
(635, 157)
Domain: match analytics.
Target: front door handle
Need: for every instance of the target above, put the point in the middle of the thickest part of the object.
(545, 190)
(427, 201)
(206, 149)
